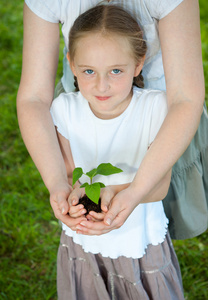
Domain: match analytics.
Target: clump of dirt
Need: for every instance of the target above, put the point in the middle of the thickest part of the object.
(90, 205)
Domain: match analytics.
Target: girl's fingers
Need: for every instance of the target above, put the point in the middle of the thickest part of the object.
(73, 199)
(75, 195)
(77, 211)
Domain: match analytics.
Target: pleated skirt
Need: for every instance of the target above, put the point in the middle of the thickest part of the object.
(87, 276)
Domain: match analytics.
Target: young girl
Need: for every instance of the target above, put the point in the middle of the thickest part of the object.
(109, 120)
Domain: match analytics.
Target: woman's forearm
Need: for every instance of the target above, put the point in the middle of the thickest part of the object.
(179, 34)
(35, 94)
(40, 138)
(172, 140)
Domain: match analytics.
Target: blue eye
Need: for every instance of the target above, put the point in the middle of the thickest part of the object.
(89, 72)
(116, 71)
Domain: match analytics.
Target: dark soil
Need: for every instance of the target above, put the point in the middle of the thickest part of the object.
(90, 205)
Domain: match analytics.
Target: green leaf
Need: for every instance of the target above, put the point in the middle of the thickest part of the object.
(84, 185)
(102, 185)
(107, 169)
(93, 192)
(77, 173)
(91, 173)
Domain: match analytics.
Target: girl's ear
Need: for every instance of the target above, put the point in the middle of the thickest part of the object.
(139, 67)
(71, 63)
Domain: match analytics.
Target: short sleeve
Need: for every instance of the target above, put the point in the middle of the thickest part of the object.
(59, 115)
(45, 10)
(161, 8)
(159, 112)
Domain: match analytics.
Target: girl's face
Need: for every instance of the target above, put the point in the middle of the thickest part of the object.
(105, 67)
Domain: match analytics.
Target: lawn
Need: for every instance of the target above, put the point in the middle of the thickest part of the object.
(29, 233)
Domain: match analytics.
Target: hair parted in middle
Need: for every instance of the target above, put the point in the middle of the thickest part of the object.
(108, 20)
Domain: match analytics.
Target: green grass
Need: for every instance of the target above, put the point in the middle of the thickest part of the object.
(29, 233)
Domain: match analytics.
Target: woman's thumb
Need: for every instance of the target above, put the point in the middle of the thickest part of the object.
(62, 204)
(111, 215)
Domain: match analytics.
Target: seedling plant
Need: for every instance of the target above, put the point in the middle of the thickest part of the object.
(92, 190)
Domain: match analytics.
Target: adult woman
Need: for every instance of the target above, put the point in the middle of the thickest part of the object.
(179, 37)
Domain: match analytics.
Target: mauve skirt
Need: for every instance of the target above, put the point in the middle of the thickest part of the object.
(87, 276)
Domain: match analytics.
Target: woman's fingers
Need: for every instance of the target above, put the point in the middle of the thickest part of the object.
(65, 218)
(60, 206)
(98, 228)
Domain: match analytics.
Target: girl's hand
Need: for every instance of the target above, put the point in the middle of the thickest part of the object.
(121, 206)
(59, 203)
(121, 200)
(107, 194)
(76, 210)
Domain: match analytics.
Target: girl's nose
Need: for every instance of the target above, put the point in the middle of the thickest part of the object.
(102, 84)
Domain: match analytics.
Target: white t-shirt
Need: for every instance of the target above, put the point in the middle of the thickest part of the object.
(147, 13)
(122, 141)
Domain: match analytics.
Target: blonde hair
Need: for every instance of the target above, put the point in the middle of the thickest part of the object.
(106, 20)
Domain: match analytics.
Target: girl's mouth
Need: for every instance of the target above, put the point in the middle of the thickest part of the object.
(102, 98)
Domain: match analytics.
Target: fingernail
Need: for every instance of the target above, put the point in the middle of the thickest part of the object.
(83, 224)
(108, 221)
(63, 210)
(73, 201)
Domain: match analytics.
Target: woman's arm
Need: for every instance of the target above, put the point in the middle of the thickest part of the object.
(181, 47)
(182, 58)
(40, 59)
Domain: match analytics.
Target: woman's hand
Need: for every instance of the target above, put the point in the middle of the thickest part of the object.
(107, 194)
